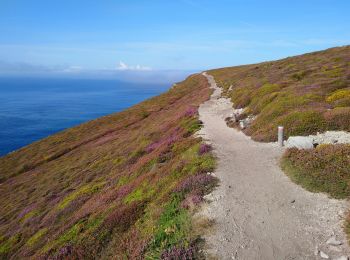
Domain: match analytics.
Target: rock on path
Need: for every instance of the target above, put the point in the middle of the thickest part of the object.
(259, 212)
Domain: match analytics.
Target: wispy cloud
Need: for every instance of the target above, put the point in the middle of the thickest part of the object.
(73, 69)
(123, 72)
(125, 67)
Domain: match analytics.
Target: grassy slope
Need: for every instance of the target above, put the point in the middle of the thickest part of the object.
(122, 185)
(305, 94)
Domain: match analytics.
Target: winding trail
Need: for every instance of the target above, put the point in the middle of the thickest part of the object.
(259, 213)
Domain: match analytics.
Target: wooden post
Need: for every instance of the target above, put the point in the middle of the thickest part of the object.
(280, 136)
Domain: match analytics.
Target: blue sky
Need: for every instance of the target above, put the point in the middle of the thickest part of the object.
(144, 36)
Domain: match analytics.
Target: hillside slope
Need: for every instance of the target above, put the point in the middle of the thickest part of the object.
(119, 186)
(126, 185)
(305, 94)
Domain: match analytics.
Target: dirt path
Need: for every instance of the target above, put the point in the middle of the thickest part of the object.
(259, 212)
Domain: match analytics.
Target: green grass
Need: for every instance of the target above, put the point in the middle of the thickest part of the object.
(173, 228)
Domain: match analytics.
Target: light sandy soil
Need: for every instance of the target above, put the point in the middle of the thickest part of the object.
(259, 213)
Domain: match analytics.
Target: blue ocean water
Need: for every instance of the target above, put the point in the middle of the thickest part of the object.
(31, 109)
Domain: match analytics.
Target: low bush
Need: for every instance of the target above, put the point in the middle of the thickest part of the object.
(338, 95)
(204, 148)
(180, 252)
(324, 169)
(301, 123)
(197, 184)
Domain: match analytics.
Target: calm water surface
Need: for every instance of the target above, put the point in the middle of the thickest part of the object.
(31, 109)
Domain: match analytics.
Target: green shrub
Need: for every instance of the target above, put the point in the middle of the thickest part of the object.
(6, 245)
(241, 97)
(302, 122)
(334, 73)
(299, 75)
(339, 98)
(266, 89)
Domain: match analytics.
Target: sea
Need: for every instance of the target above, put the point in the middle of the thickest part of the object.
(34, 108)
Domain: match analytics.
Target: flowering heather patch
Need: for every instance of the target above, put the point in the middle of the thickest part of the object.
(124, 191)
(204, 148)
(123, 217)
(191, 111)
(191, 200)
(164, 142)
(26, 210)
(197, 183)
(150, 148)
(67, 252)
(180, 253)
(130, 246)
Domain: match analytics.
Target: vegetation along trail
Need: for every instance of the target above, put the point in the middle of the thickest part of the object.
(259, 212)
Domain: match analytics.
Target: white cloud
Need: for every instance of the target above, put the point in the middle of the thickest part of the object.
(73, 69)
(123, 67)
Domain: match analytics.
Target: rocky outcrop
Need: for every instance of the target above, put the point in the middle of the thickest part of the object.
(311, 141)
(300, 142)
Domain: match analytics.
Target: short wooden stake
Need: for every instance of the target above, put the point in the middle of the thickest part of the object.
(280, 136)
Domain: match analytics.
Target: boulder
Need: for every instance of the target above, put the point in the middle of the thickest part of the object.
(300, 142)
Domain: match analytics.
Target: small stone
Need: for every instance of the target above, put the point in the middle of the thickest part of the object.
(333, 242)
(324, 255)
(229, 186)
(316, 252)
(292, 201)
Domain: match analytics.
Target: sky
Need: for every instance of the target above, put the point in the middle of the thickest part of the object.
(148, 37)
